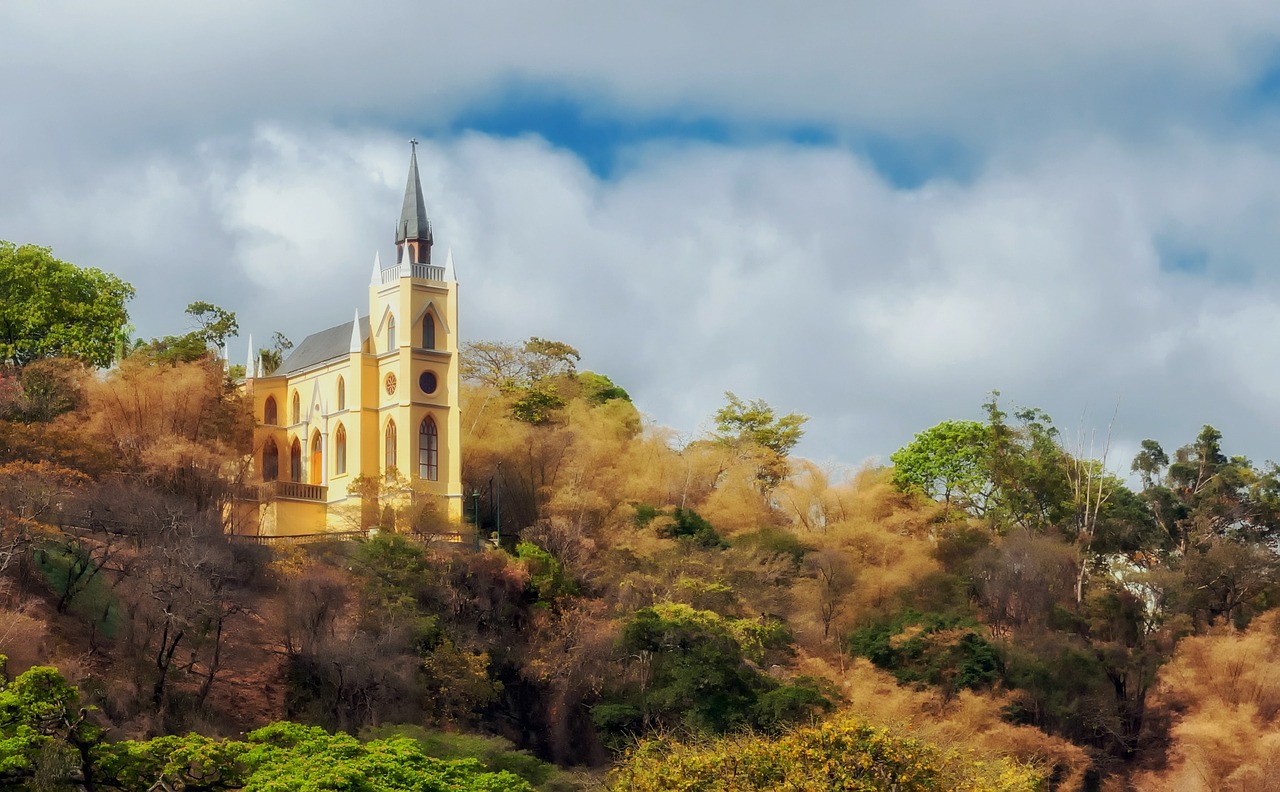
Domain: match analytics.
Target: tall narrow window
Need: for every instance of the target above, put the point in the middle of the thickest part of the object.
(428, 450)
(269, 411)
(391, 333)
(295, 461)
(428, 332)
(271, 461)
(317, 459)
(297, 408)
(340, 451)
(391, 448)
(342, 394)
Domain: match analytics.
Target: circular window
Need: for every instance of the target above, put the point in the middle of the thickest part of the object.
(390, 383)
(427, 382)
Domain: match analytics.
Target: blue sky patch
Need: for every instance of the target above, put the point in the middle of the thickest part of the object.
(600, 135)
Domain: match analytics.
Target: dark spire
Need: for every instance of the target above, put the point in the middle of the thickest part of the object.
(414, 225)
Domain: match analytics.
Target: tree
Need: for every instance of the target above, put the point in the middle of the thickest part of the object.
(213, 326)
(513, 367)
(49, 308)
(1149, 462)
(753, 425)
(947, 462)
(273, 356)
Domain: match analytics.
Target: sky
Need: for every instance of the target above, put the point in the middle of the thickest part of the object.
(872, 213)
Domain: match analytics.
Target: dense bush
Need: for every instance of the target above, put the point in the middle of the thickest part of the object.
(844, 754)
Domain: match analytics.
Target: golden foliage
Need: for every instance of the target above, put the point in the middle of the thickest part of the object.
(174, 424)
(1227, 687)
(845, 753)
(964, 721)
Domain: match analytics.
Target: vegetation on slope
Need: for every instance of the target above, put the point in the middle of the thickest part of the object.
(998, 588)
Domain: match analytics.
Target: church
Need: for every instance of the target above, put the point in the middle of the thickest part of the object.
(371, 401)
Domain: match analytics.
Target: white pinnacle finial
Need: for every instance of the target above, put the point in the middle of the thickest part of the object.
(248, 361)
(448, 266)
(357, 341)
(376, 278)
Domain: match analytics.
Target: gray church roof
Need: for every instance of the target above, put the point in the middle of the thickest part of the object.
(413, 217)
(323, 347)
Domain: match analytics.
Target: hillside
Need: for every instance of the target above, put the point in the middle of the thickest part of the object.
(992, 596)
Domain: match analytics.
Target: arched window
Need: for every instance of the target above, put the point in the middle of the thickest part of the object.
(295, 461)
(342, 394)
(428, 450)
(428, 332)
(340, 451)
(317, 459)
(391, 333)
(270, 461)
(391, 448)
(297, 408)
(269, 411)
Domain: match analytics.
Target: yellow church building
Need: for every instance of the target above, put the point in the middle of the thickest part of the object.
(375, 397)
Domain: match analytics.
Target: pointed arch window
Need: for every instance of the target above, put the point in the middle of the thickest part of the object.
(317, 458)
(428, 332)
(296, 411)
(342, 393)
(391, 333)
(269, 411)
(428, 450)
(295, 460)
(271, 461)
(340, 451)
(390, 444)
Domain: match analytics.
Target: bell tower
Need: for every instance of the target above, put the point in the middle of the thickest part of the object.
(413, 348)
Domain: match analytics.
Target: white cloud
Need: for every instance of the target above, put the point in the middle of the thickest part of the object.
(793, 274)
(1116, 240)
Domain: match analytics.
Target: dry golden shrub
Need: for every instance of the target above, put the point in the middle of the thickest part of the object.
(965, 721)
(22, 639)
(1226, 685)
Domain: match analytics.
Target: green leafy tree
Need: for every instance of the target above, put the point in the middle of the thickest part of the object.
(273, 356)
(598, 389)
(49, 308)
(44, 732)
(947, 462)
(213, 326)
(754, 426)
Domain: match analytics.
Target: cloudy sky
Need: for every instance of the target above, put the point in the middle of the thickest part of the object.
(873, 213)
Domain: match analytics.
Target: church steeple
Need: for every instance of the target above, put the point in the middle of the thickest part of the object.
(413, 232)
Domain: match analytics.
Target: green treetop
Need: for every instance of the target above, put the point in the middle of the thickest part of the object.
(49, 308)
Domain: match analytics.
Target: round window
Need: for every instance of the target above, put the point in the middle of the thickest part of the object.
(390, 383)
(427, 382)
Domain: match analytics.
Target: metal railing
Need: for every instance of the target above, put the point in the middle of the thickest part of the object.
(343, 536)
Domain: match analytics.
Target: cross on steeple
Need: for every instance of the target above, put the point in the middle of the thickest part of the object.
(413, 141)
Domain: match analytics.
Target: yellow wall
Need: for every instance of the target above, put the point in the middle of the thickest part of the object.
(367, 410)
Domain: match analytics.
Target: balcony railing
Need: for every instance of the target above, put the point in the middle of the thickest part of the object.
(420, 271)
(295, 490)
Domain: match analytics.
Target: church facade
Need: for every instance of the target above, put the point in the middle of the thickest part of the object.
(370, 402)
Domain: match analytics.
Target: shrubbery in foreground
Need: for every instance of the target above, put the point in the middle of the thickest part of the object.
(842, 754)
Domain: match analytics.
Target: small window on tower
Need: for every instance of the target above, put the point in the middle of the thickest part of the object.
(342, 394)
(391, 333)
(428, 332)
